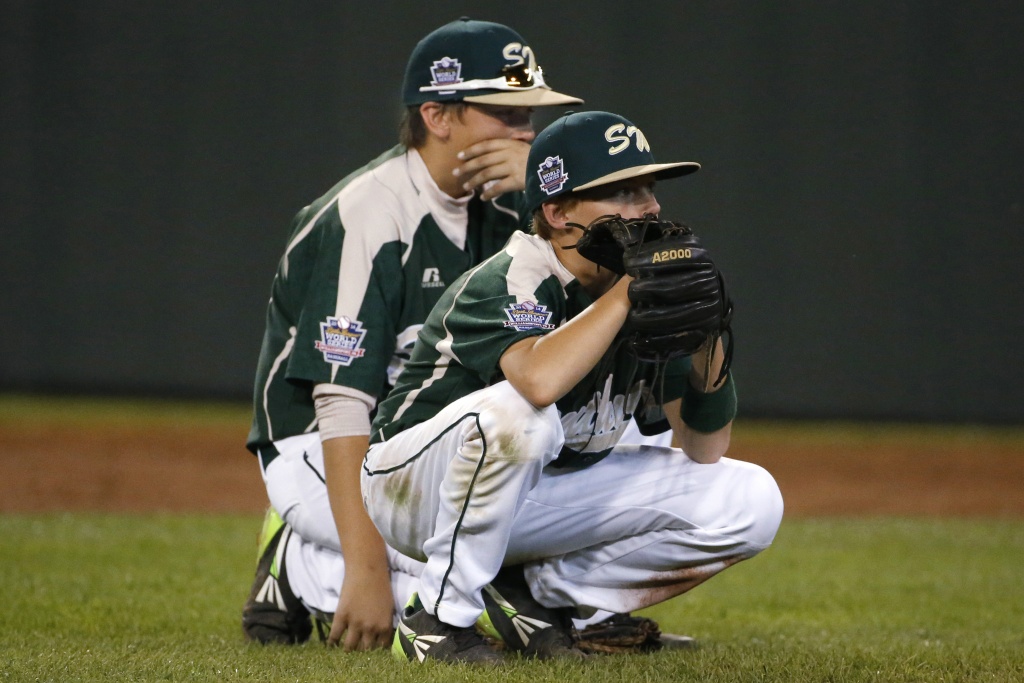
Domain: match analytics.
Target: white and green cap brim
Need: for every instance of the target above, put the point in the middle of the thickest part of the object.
(537, 97)
(477, 61)
(660, 171)
(583, 150)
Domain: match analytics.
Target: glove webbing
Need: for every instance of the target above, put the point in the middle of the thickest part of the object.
(648, 219)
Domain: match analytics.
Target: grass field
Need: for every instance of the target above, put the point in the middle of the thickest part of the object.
(157, 598)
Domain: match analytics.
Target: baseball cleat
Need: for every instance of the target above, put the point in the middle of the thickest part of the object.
(513, 617)
(323, 622)
(273, 614)
(421, 636)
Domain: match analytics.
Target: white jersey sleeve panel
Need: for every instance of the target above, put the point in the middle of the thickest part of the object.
(533, 261)
(376, 208)
(368, 224)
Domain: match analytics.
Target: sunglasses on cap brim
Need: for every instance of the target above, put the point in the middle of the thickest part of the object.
(518, 77)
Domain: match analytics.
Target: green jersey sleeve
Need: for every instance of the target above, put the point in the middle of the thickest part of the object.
(484, 322)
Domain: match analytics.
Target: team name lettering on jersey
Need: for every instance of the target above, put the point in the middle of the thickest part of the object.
(528, 316)
(619, 135)
(340, 340)
(593, 427)
(671, 255)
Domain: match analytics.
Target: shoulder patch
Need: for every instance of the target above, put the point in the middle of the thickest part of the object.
(341, 340)
(528, 316)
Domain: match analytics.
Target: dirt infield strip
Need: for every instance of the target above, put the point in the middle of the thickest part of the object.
(91, 463)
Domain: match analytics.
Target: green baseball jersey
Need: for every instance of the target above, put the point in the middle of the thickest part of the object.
(520, 292)
(363, 267)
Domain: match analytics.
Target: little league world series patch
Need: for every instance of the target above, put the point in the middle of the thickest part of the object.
(552, 174)
(446, 71)
(341, 340)
(528, 316)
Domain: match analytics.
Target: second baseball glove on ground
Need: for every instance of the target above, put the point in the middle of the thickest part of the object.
(629, 634)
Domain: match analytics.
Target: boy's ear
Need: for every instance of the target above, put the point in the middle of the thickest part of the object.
(434, 119)
(554, 214)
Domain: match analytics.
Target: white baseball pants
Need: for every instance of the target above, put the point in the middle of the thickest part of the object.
(469, 491)
(316, 565)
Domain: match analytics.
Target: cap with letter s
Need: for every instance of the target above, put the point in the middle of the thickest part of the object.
(477, 61)
(581, 150)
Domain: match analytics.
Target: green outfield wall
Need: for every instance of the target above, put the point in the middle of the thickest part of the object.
(862, 184)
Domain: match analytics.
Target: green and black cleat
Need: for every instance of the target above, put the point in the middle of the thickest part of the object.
(421, 637)
(273, 614)
(512, 616)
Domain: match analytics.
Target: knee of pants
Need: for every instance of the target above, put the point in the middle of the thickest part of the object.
(765, 500)
(515, 429)
(296, 490)
(312, 527)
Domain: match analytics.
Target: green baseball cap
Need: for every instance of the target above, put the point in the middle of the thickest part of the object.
(477, 61)
(587, 149)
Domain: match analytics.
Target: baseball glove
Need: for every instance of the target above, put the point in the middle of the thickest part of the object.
(628, 634)
(678, 296)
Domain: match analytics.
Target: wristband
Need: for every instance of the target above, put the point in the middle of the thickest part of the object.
(708, 413)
